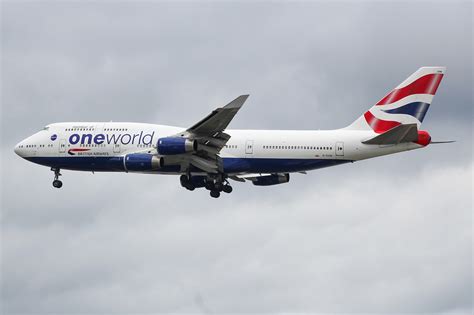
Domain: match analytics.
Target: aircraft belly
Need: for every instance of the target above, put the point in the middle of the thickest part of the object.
(276, 165)
(232, 165)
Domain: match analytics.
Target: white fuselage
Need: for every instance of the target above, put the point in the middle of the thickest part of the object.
(94, 146)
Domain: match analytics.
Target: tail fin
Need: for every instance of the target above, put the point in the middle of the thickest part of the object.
(406, 104)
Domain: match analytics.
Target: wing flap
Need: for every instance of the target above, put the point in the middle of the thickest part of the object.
(206, 165)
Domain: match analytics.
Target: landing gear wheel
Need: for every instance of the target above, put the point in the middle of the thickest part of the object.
(215, 193)
(184, 180)
(227, 189)
(57, 183)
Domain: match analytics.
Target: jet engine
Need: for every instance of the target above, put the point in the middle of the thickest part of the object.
(175, 145)
(139, 162)
(273, 179)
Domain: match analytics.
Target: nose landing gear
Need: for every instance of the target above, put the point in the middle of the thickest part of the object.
(56, 182)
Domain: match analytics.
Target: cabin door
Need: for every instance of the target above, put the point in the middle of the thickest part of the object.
(249, 147)
(339, 148)
(62, 145)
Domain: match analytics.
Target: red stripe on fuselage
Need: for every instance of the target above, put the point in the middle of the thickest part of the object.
(78, 150)
(379, 125)
(427, 84)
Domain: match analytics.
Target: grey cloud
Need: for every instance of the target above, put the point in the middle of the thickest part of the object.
(305, 250)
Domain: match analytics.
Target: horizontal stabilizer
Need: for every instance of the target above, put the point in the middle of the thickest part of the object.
(442, 142)
(399, 134)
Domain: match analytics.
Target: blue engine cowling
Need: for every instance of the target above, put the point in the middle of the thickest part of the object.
(140, 162)
(269, 180)
(175, 145)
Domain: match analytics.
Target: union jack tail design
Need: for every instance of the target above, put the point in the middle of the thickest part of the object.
(406, 104)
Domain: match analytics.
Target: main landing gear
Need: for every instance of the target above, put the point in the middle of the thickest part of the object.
(215, 185)
(218, 185)
(56, 182)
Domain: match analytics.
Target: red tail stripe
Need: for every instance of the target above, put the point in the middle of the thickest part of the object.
(379, 125)
(427, 84)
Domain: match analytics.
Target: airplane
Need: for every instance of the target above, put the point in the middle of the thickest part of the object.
(208, 154)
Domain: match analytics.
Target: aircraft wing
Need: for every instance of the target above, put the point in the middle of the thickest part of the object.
(211, 138)
(219, 119)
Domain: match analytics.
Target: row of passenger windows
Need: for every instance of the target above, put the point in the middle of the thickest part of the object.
(79, 129)
(295, 147)
(92, 129)
(285, 147)
(36, 146)
(115, 129)
(92, 145)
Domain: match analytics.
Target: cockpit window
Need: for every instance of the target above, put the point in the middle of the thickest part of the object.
(46, 128)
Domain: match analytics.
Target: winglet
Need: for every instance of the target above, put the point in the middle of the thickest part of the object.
(238, 102)
(219, 119)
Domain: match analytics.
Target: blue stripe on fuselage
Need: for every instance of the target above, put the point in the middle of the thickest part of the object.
(272, 165)
(231, 165)
(82, 163)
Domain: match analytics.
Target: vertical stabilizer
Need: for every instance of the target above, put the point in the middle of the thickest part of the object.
(406, 104)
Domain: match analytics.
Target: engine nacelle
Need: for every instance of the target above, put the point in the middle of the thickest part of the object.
(424, 138)
(140, 162)
(175, 145)
(269, 180)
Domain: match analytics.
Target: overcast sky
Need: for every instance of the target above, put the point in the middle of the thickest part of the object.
(390, 235)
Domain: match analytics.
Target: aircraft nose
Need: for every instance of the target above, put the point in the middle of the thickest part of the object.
(17, 149)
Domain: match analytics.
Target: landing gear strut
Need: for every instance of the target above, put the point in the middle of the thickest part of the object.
(56, 182)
